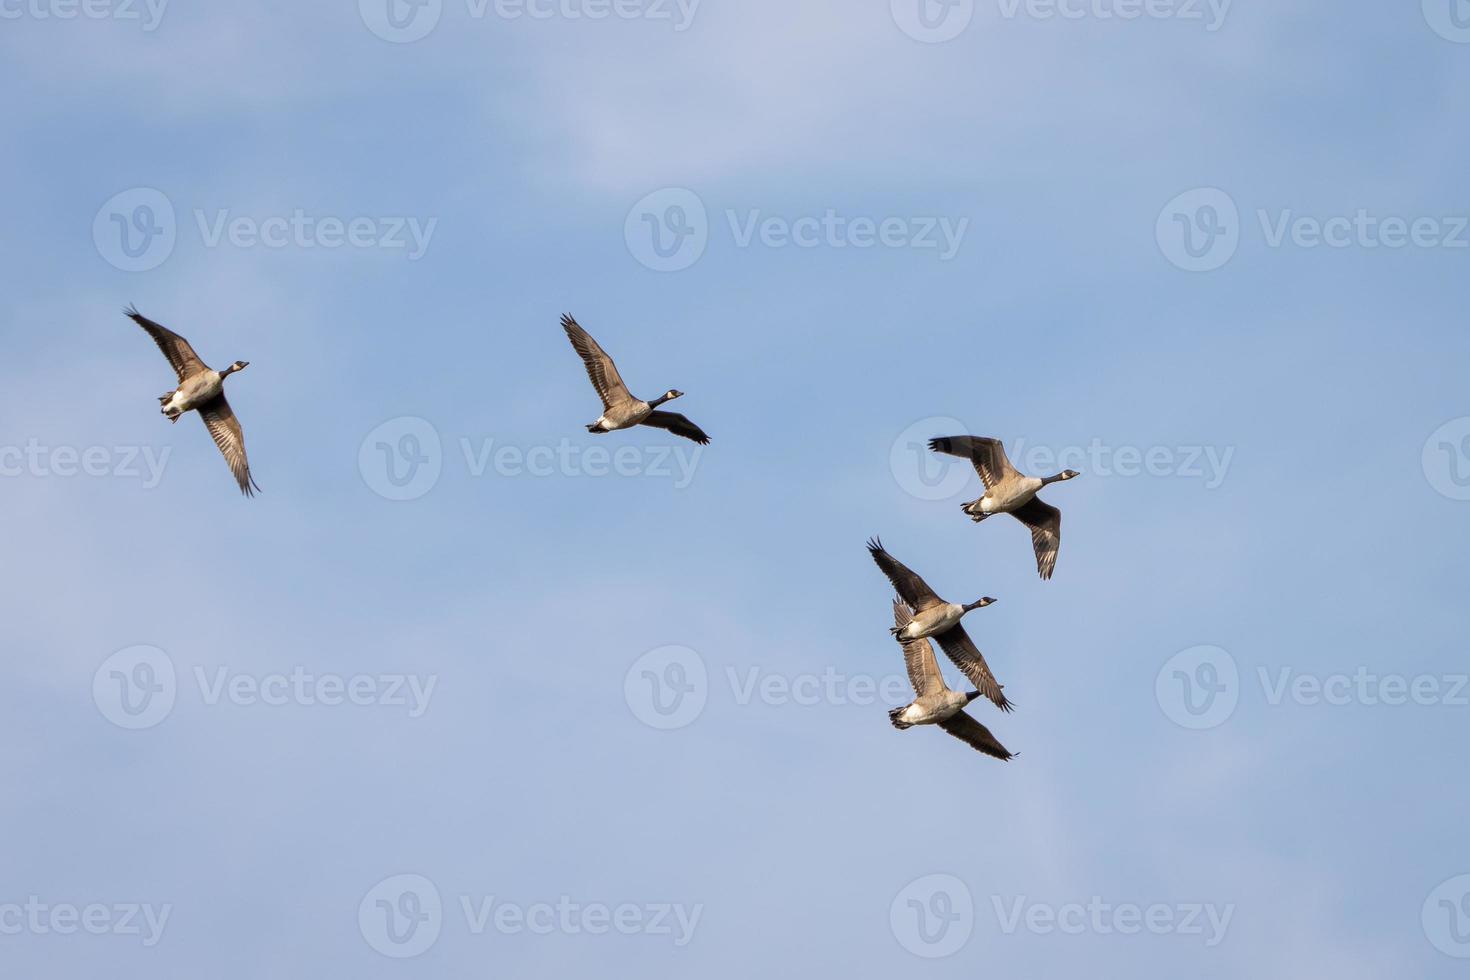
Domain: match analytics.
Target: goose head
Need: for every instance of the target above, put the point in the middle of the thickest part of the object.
(1063, 475)
(980, 603)
(237, 366)
(667, 396)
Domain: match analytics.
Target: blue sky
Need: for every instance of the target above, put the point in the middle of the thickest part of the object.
(1212, 256)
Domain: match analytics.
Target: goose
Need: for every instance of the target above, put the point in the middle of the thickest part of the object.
(1009, 492)
(936, 703)
(201, 389)
(620, 410)
(941, 620)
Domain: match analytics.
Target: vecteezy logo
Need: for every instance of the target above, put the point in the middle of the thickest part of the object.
(400, 21)
(135, 688)
(135, 230)
(933, 21)
(401, 916)
(667, 688)
(1199, 688)
(1446, 917)
(667, 230)
(1446, 459)
(925, 474)
(1449, 18)
(933, 916)
(1199, 230)
(401, 459)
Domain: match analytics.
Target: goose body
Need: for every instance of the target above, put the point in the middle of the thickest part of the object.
(931, 616)
(620, 410)
(935, 702)
(201, 389)
(1008, 491)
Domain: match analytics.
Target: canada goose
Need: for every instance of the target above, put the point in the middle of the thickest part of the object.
(201, 389)
(941, 620)
(936, 704)
(620, 410)
(1008, 492)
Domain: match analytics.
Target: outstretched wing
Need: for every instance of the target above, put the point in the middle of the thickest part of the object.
(912, 589)
(180, 355)
(224, 427)
(918, 657)
(678, 424)
(967, 657)
(987, 455)
(1045, 522)
(967, 729)
(600, 367)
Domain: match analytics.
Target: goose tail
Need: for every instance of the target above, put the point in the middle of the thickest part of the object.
(896, 716)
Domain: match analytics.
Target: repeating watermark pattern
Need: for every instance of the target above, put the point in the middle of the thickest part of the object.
(137, 229)
(406, 21)
(142, 920)
(1446, 917)
(669, 687)
(1200, 230)
(1450, 19)
(137, 688)
(403, 459)
(932, 476)
(933, 916)
(669, 230)
(40, 461)
(1446, 459)
(937, 21)
(403, 916)
(148, 13)
(1205, 920)
(1200, 688)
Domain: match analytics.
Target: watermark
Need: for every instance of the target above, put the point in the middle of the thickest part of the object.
(669, 230)
(928, 475)
(35, 917)
(1204, 920)
(933, 916)
(34, 459)
(1446, 459)
(406, 21)
(403, 459)
(669, 687)
(1209, 13)
(1200, 688)
(403, 916)
(1201, 230)
(137, 230)
(137, 688)
(1450, 19)
(932, 21)
(148, 13)
(1446, 917)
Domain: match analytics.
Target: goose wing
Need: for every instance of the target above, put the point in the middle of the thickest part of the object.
(987, 455)
(918, 657)
(910, 588)
(180, 355)
(600, 367)
(967, 657)
(967, 729)
(1045, 522)
(678, 424)
(224, 427)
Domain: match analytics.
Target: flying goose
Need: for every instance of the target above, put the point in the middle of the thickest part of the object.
(620, 410)
(1008, 492)
(201, 389)
(941, 620)
(936, 704)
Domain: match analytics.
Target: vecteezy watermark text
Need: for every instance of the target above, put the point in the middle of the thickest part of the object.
(406, 21)
(403, 916)
(149, 13)
(39, 918)
(35, 459)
